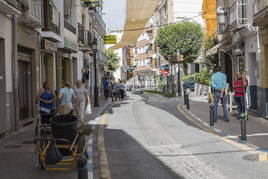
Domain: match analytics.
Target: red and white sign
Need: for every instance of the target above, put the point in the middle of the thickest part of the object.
(165, 72)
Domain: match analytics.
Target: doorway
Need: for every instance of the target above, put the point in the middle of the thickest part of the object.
(25, 84)
(3, 122)
(252, 77)
(229, 70)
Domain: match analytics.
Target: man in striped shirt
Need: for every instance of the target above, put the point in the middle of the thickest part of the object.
(240, 86)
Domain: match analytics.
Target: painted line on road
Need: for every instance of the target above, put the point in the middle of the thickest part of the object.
(249, 148)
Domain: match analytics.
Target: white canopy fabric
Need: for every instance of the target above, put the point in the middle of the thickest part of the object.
(138, 13)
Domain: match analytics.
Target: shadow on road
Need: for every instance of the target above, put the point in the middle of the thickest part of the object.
(128, 159)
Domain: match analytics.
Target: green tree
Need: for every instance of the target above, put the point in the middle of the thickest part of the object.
(212, 60)
(187, 37)
(112, 61)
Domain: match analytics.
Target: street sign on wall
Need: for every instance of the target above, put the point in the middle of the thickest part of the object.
(110, 39)
(92, 3)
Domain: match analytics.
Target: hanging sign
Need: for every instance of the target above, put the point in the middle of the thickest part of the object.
(110, 39)
(92, 3)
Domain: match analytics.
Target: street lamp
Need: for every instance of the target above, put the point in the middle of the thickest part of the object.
(94, 46)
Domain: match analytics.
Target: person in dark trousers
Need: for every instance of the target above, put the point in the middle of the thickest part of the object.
(122, 89)
(240, 86)
(106, 87)
(219, 81)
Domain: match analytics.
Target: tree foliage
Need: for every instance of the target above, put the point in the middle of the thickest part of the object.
(187, 37)
(210, 61)
(112, 61)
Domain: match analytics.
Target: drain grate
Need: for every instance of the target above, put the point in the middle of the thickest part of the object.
(13, 146)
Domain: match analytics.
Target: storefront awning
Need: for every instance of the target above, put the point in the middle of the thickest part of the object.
(138, 13)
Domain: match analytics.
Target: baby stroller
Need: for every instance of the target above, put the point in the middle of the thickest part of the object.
(61, 149)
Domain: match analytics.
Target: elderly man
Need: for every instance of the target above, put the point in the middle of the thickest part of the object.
(81, 98)
(218, 81)
(240, 86)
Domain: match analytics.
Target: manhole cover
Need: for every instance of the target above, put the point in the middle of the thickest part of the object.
(13, 146)
(28, 142)
(251, 157)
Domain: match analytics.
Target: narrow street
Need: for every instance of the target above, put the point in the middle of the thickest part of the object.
(146, 137)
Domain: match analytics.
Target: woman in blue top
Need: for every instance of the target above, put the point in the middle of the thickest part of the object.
(67, 96)
(46, 97)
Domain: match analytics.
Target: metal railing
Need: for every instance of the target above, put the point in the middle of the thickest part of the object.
(81, 33)
(51, 18)
(100, 20)
(88, 39)
(238, 12)
(33, 14)
(69, 27)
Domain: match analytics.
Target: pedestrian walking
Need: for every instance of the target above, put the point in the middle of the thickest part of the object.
(106, 87)
(47, 98)
(219, 82)
(81, 98)
(67, 97)
(240, 86)
(122, 89)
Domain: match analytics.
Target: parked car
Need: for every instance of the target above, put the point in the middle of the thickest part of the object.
(190, 83)
(137, 90)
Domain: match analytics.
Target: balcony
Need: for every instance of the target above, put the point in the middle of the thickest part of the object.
(69, 27)
(87, 41)
(261, 16)
(51, 21)
(9, 7)
(32, 16)
(81, 33)
(238, 15)
(98, 22)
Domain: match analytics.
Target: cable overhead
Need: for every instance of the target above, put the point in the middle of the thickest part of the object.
(162, 25)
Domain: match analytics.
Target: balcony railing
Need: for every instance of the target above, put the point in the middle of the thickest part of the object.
(10, 7)
(81, 33)
(261, 13)
(13, 3)
(32, 16)
(69, 27)
(238, 13)
(88, 38)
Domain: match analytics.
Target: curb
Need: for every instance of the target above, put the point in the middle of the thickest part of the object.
(94, 122)
(205, 126)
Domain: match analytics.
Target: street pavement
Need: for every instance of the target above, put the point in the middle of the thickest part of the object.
(147, 137)
(257, 127)
(19, 161)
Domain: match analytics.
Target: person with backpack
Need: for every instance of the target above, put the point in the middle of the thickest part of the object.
(67, 97)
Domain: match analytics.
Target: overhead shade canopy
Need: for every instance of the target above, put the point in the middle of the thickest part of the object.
(138, 13)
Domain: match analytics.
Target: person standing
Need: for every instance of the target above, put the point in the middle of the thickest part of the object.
(81, 99)
(240, 86)
(106, 88)
(219, 82)
(46, 97)
(67, 96)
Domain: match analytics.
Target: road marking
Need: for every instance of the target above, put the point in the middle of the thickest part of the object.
(229, 139)
(103, 160)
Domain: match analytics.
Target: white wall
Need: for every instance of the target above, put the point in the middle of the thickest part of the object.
(6, 34)
(187, 9)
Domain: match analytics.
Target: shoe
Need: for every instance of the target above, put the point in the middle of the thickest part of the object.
(226, 120)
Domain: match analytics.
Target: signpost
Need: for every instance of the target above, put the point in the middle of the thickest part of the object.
(110, 39)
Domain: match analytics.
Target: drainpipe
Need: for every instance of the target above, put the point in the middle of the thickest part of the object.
(14, 75)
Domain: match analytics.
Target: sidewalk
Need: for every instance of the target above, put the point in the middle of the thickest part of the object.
(257, 127)
(19, 161)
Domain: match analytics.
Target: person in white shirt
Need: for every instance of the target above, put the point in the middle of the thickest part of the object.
(82, 98)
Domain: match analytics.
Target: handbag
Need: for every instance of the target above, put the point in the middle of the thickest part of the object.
(53, 155)
(88, 109)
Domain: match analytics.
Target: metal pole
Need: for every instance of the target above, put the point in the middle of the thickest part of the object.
(96, 91)
(82, 167)
(211, 120)
(185, 98)
(187, 102)
(179, 80)
(243, 129)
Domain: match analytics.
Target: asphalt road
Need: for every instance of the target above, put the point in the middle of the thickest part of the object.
(146, 137)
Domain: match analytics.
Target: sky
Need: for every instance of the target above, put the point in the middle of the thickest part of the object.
(114, 13)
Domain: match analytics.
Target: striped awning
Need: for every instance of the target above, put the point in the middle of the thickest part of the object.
(138, 13)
